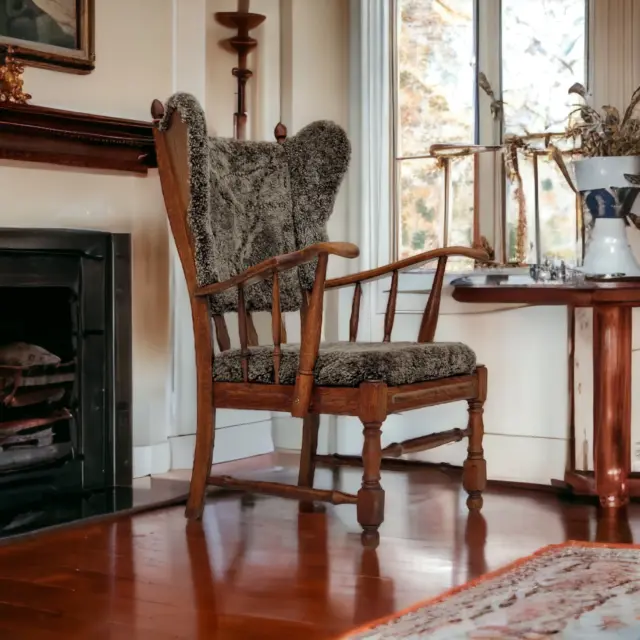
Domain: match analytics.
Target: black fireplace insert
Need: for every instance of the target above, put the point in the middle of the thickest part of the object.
(65, 368)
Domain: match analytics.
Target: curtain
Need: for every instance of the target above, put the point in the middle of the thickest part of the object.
(370, 126)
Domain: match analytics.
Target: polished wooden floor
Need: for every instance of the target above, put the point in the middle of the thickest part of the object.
(264, 571)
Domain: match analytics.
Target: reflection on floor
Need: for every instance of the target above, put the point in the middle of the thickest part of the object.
(18, 519)
(266, 571)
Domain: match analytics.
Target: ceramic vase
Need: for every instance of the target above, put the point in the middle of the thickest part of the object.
(608, 197)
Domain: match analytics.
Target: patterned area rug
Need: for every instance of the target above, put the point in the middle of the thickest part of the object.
(573, 591)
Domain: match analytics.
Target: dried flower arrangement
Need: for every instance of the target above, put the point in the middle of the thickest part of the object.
(592, 133)
(532, 145)
(496, 106)
(604, 134)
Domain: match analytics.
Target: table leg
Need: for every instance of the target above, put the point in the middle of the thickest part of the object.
(612, 403)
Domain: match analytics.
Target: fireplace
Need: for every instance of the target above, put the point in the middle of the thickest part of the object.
(65, 365)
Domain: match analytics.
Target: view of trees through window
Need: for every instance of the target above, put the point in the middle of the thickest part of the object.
(435, 104)
(543, 54)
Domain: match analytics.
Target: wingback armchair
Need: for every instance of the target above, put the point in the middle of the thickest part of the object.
(249, 222)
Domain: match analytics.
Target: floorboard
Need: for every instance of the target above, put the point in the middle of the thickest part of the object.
(267, 571)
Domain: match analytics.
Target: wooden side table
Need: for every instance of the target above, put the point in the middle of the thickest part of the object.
(612, 304)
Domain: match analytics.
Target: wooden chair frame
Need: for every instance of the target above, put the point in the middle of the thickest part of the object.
(371, 402)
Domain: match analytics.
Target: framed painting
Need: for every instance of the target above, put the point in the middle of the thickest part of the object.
(54, 34)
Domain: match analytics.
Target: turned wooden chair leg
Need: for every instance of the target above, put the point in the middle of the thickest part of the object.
(310, 427)
(205, 428)
(202, 461)
(373, 412)
(474, 478)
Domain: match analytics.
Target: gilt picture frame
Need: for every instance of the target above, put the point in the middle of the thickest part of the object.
(52, 34)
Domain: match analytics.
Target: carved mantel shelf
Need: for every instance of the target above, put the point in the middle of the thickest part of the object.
(40, 134)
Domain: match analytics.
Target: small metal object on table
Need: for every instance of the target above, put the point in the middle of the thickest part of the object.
(612, 302)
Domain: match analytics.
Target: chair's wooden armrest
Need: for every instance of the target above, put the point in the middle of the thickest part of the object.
(283, 262)
(430, 316)
(401, 265)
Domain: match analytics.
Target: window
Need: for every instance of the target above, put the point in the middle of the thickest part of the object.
(531, 52)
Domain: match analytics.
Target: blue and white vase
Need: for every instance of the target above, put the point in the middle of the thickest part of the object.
(608, 198)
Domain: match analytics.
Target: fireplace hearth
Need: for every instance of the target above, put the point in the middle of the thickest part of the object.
(65, 368)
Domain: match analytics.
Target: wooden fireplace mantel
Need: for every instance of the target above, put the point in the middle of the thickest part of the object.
(69, 138)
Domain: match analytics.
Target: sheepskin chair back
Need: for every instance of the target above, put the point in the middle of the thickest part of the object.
(250, 201)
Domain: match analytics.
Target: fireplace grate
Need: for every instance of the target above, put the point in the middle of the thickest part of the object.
(65, 368)
(36, 422)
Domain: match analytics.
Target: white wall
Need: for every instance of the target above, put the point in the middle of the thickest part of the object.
(263, 89)
(144, 50)
(238, 433)
(315, 86)
(133, 62)
(133, 65)
(316, 82)
(300, 75)
(525, 349)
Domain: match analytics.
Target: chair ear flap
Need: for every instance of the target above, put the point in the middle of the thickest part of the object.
(318, 157)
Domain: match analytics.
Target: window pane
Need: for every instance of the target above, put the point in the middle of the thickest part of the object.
(557, 204)
(421, 206)
(461, 217)
(558, 231)
(461, 222)
(436, 77)
(543, 54)
(525, 167)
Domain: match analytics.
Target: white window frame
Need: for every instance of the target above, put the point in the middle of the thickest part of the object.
(487, 16)
(382, 219)
(491, 209)
(371, 78)
(488, 30)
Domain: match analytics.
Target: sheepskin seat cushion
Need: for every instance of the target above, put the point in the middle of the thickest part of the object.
(347, 364)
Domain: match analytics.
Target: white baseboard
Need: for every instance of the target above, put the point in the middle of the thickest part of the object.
(287, 433)
(510, 458)
(151, 459)
(224, 418)
(231, 443)
(238, 417)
